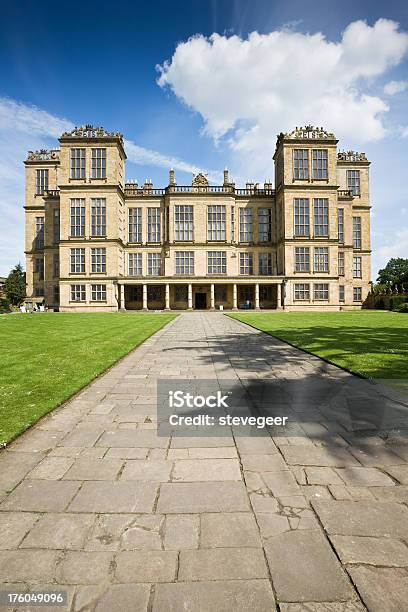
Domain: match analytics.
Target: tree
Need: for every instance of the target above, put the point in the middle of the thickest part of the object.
(395, 274)
(14, 286)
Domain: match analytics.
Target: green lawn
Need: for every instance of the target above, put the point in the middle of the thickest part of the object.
(371, 343)
(45, 358)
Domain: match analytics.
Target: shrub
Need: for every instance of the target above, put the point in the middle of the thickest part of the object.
(396, 301)
(402, 307)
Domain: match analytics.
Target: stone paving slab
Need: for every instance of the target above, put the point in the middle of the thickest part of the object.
(94, 502)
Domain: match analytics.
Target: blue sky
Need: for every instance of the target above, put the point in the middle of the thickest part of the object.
(204, 85)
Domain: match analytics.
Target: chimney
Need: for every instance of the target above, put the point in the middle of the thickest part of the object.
(172, 180)
(226, 177)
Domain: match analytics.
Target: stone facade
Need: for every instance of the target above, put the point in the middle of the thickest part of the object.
(95, 242)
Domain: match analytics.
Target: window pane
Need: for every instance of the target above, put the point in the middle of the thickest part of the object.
(300, 164)
(301, 212)
(216, 223)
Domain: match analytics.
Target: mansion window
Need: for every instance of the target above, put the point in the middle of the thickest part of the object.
(77, 217)
(153, 224)
(232, 223)
(77, 293)
(39, 267)
(319, 157)
(300, 164)
(98, 260)
(56, 225)
(265, 264)
(246, 294)
(181, 293)
(154, 264)
(135, 225)
(245, 225)
(341, 293)
(135, 264)
(183, 223)
(184, 262)
(56, 294)
(98, 217)
(353, 181)
(56, 266)
(301, 211)
(77, 163)
(77, 261)
(98, 169)
(155, 294)
(357, 294)
(246, 263)
(216, 222)
(220, 294)
(357, 232)
(356, 267)
(321, 216)
(340, 262)
(265, 293)
(98, 293)
(321, 291)
(39, 232)
(41, 183)
(321, 259)
(264, 225)
(302, 259)
(302, 291)
(340, 225)
(216, 262)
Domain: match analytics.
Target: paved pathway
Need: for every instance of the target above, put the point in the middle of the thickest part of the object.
(93, 501)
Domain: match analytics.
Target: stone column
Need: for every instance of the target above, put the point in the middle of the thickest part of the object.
(144, 297)
(190, 297)
(212, 297)
(257, 296)
(167, 307)
(234, 297)
(279, 296)
(122, 297)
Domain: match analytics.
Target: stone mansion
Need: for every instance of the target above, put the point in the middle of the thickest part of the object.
(96, 242)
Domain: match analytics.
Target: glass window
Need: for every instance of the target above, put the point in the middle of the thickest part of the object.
(41, 181)
(39, 232)
(77, 261)
(39, 267)
(245, 224)
(98, 260)
(341, 263)
(302, 259)
(135, 225)
(135, 264)
(341, 293)
(184, 262)
(233, 223)
(56, 225)
(320, 164)
(321, 259)
(357, 232)
(56, 266)
(246, 263)
(302, 291)
(183, 223)
(265, 264)
(98, 293)
(153, 224)
(300, 164)
(77, 293)
(77, 163)
(77, 217)
(220, 294)
(357, 294)
(98, 163)
(181, 293)
(340, 224)
(301, 210)
(217, 262)
(216, 223)
(154, 264)
(321, 216)
(264, 225)
(353, 181)
(356, 267)
(98, 217)
(321, 291)
(56, 294)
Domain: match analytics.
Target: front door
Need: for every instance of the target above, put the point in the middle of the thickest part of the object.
(200, 301)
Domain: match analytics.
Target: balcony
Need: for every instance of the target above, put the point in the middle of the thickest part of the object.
(345, 194)
(51, 193)
(132, 189)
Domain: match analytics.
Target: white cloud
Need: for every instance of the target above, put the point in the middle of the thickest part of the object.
(22, 128)
(249, 90)
(394, 87)
(398, 248)
(404, 132)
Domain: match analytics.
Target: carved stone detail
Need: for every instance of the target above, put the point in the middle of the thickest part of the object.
(200, 180)
(43, 155)
(309, 132)
(91, 131)
(351, 156)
